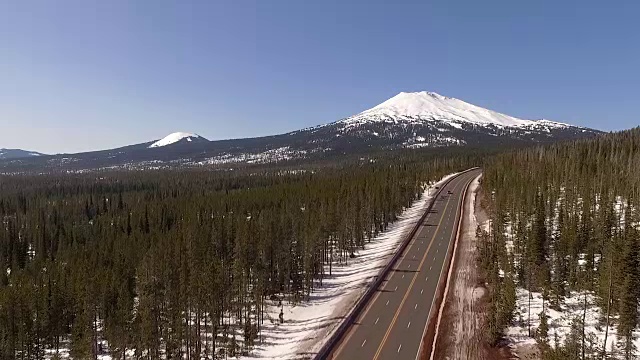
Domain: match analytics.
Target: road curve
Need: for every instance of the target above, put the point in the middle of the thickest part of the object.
(394, 322)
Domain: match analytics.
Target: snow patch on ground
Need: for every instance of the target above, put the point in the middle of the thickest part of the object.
(272, 155)
(560, 321)
(455, 125)
(572, 306)
(436, 140)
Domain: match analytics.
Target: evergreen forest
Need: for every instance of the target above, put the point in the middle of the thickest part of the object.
(565, 221)
(179, 264)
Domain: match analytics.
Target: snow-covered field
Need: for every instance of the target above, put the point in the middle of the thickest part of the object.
(273, 155)
(307, 325)
(436, 140)
(571, 307)
(560, 321)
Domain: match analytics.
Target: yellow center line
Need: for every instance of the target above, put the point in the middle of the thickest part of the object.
(395, 317)
(351, 330)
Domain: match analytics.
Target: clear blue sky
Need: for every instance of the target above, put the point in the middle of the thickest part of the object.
(83, 75)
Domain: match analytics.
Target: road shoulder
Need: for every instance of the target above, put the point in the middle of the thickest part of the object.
(462, 323)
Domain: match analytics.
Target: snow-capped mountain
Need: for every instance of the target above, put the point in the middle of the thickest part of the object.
(177, 137)
(17, 153)
(405, 121)
(427, 119)
(414, 107)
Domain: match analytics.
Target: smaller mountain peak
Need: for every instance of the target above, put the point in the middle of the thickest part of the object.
(17, 153)
(176, 137)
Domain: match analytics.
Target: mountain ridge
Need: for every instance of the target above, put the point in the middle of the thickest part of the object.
(427, 105)
(405, 121)
(17, 153)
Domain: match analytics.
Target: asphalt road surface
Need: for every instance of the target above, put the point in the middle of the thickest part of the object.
(393, 324)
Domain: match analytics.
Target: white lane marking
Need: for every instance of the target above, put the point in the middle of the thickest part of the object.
(415, 307)
(399, 347)
(426, 279)
(408, 266)
(409, 324)
(364, 342)
(376, 321)
(437, 250)
(414, 256)
(421, 290)
(430, 267)
(387, 303)
(403, 276)
(434, 258)
(396, 289)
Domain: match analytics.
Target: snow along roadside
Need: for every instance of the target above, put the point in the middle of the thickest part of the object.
(307, 325)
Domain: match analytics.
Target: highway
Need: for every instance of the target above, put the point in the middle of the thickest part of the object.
(394, 322)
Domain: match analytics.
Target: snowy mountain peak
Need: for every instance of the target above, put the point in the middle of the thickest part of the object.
(431, 106)
(175, 138)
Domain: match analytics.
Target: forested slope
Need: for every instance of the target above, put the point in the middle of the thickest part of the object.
(565, 226)
(175, 264)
